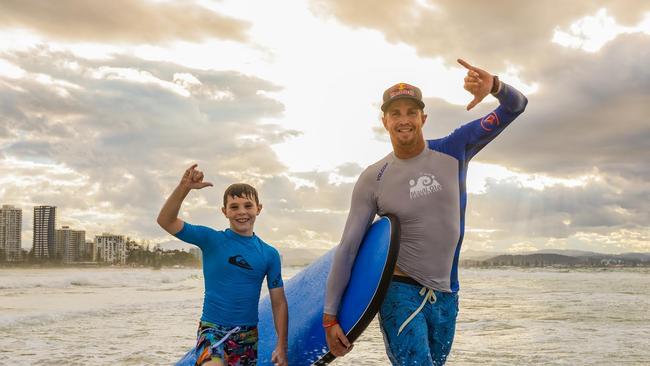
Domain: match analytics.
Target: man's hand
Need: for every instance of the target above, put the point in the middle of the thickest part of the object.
(337, 341)
(193, 179)
(478, 82)
(279, 356)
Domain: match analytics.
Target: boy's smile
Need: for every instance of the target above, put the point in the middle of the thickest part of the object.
(241, 212)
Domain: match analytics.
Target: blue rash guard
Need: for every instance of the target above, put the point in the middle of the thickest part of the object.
(234, 267)
(427, 193)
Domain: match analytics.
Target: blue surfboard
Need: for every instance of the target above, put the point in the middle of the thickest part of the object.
(369, 279)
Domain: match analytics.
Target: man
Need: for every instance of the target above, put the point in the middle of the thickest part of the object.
(423, 183)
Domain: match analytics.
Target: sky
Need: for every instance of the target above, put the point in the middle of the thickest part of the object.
(103, 105)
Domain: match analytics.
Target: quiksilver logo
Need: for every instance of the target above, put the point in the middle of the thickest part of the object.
(423, 186)
(239, 261)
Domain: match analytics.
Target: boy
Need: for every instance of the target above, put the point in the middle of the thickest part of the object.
(235, 262)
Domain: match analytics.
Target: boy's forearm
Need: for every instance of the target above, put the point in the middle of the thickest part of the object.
(281, 319)
(169, 212)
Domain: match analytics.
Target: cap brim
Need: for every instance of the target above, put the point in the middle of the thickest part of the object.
(388, 102)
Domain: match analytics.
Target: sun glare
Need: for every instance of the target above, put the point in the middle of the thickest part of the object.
(592, 32)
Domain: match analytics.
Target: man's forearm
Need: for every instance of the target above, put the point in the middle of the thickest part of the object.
(169, 212)
(511, 99)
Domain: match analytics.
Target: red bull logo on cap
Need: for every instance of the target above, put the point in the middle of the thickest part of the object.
(402, 89)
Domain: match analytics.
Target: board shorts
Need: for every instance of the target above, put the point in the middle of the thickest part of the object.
(234, 346)
(418, 323)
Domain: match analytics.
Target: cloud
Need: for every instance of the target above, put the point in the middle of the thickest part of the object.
(349, 169)
(614, 211)
(483, 33)
(590, 115)
(588, 120)
(589, 110)
(129, 138)
(106, 141)
(109, 150)
(122, 21)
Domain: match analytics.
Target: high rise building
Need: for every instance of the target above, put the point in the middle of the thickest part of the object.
(111, 248)
(44, 235)
(69, 243)
(88, 251)
(11, 222)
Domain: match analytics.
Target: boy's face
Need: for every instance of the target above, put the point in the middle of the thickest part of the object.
(241, 212)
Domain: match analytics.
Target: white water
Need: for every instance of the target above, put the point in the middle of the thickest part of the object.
(144, 317)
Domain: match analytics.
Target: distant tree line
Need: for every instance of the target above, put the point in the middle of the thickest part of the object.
(557, 260)
(136, 256)
(161, 258)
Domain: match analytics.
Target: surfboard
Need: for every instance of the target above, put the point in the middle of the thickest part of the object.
(369, 279)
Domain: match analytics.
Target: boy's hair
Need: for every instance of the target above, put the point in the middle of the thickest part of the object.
(242, 190)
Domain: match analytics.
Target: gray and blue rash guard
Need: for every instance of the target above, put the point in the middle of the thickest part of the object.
(427, 194)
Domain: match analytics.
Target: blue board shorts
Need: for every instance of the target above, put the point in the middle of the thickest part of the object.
(418, 323)
(234, 346)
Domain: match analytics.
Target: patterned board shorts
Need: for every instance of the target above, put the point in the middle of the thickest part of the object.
(234, 346)
(418, 323)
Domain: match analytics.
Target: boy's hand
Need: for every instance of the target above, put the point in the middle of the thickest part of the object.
(193, 179)
(279, 356)
(337, 341)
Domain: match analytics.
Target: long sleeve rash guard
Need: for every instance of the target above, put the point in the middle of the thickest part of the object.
(427, 194)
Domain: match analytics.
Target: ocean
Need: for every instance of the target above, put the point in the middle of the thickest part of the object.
(124, 316)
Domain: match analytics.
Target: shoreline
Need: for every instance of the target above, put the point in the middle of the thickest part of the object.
(557, 269)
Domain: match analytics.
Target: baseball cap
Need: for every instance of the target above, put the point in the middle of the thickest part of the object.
(402, 90)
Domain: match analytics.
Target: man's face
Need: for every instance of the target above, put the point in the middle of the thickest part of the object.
(241, 212)
(403, 120)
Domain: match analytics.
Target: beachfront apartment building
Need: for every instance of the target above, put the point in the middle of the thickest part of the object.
(88, 252)
(111, 248)
(69, 244)
(11, 221)
(44, 242)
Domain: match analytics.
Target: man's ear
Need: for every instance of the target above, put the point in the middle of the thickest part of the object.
(259, 208)
(383, 120)
(223, 209)
(424, 119)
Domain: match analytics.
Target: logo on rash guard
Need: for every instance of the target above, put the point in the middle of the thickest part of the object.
(381, 172)
(277, 280)
(424, 186)
(490, 121)
(239, 261)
